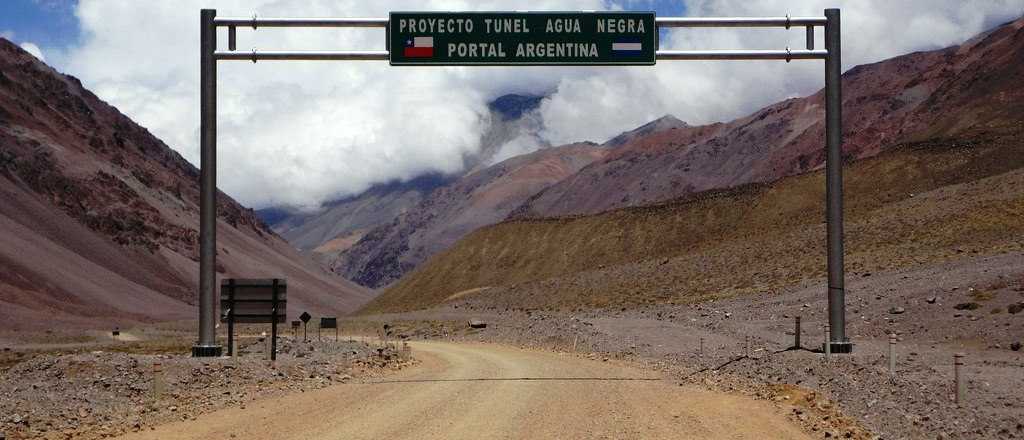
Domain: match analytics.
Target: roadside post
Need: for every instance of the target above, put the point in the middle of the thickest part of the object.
(231, 315)
(305, 317)
(605, 38)
(958, 378)
(796, 334)
(266, 346)
(276, 292)
(828, 347)
(892, 355)
(158, 381)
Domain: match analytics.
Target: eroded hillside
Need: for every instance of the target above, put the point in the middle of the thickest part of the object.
(919, 203)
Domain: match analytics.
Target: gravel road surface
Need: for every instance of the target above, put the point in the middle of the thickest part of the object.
(472, 390)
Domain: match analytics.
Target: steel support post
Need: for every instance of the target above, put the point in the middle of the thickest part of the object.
(273, 320)
(834, 184)
(207, 344)
(231, 318)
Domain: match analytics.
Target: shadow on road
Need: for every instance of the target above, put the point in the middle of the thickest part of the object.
(524, 379)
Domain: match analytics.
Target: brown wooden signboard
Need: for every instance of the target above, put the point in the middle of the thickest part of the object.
(254, 301)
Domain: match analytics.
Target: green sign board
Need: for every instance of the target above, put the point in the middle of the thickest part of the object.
(522, 38)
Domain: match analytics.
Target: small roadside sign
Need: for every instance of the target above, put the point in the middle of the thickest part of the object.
(305, 317)
(253, 301)
(328, 323)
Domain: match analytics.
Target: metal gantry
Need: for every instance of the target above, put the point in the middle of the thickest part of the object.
(209, 55)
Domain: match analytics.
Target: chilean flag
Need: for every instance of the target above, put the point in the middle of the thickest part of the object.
(419, 47)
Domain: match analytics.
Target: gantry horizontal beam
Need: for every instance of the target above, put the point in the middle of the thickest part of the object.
(659, 21)
(741, 54)
(300, 22)
(271, 55)
(370, 55)
(738, 21)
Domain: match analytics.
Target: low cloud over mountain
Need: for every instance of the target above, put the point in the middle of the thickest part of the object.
(303, 133)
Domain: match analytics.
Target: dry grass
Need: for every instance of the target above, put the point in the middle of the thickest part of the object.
(914, 205)
(981, 295)
(156, 346)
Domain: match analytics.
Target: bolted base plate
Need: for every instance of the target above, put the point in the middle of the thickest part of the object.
(206, 350)
(839, 347)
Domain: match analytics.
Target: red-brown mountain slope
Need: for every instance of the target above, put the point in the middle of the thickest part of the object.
(973, 89)
(98, 222)
(478, 199)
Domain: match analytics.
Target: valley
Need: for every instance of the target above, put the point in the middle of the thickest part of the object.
(668, 281)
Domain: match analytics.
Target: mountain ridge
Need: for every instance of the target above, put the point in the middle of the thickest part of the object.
(100, 217)
(902, 99)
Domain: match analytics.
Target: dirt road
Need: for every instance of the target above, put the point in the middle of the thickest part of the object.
(493, 391)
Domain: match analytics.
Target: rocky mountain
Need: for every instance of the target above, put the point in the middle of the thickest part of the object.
(971, 87)
(912, 206)
(349, 218)
(737, 207)
(99, 220)
(512, 130)
(667, 122)
(480, 198)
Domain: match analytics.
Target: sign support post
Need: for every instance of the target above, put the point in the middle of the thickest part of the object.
(231, 317)
(834, 184)
(273, 322)
(207, 344)
(253, 301)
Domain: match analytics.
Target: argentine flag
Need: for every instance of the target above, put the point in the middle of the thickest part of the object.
(627, 46)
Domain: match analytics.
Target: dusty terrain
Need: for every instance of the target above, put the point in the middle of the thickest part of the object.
(491, 391)
(716, 363)
(92, 387)
(973, 305)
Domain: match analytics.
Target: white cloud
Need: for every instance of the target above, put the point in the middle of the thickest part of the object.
(304, 132)
(607, 102)
(33, 49)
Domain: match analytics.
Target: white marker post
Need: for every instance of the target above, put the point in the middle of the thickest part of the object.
(828, 346)
(958, 378)
(892, 355)
(796, 334)
(158, 381)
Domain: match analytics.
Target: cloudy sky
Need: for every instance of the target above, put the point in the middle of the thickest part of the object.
(300, 133)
